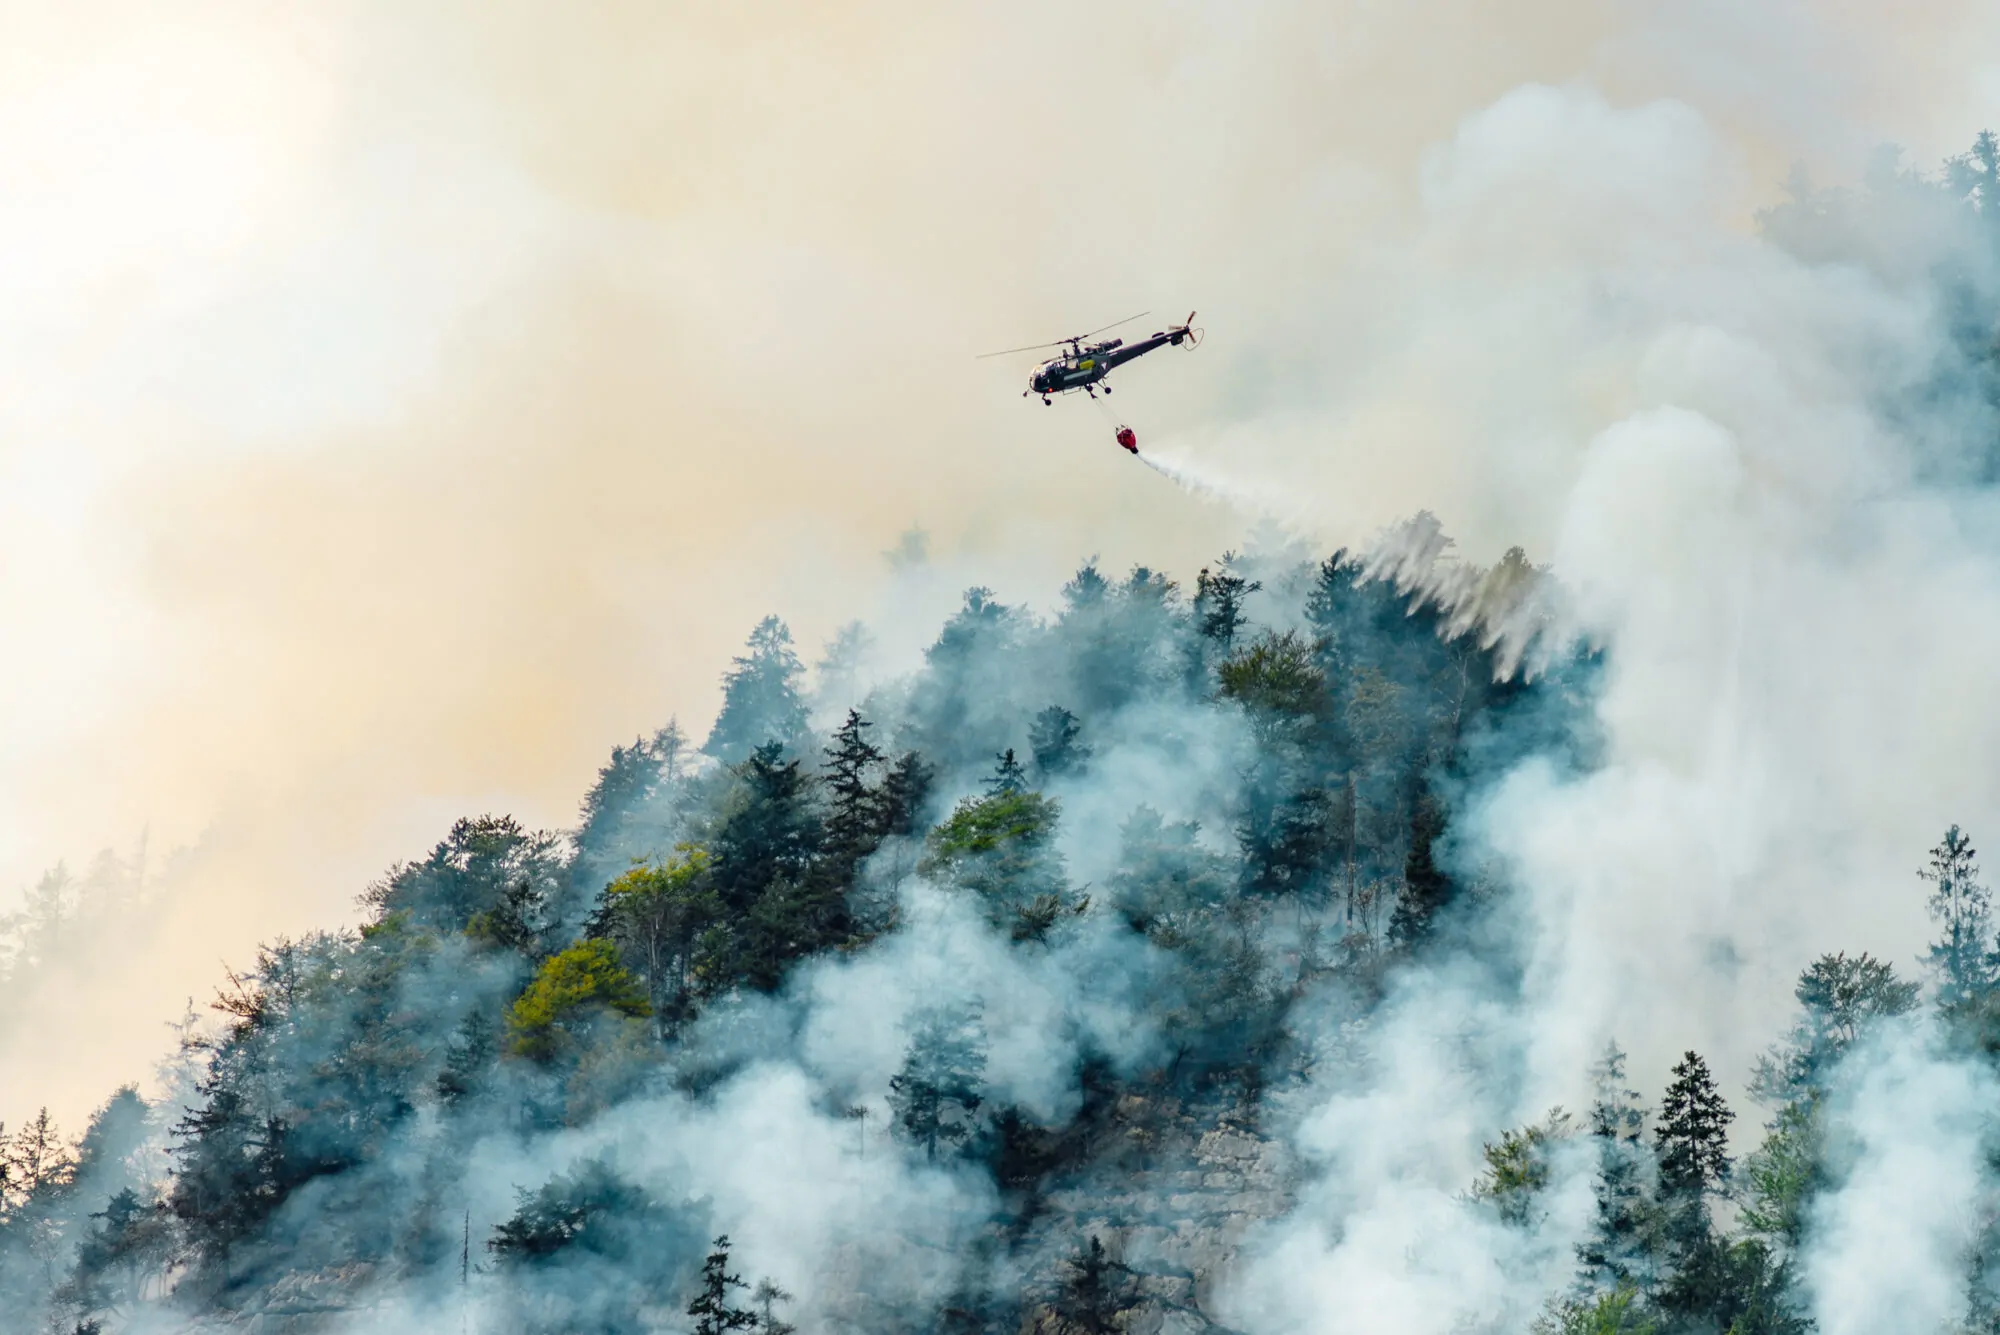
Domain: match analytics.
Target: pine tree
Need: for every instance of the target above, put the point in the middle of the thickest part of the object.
(480, 863)
(771, 830)
(39, 1162)
(1962, 960)
(629, 812)
(1054, 738)
(627, 780)
(904, 792)
(1615, 1252)
(1426, 890)
(1086, 588)
(854, 817)
(940, 1086)
(768, 1295)
(1218, 601)
(713, 1312)
(1691, 1144)
(1329, 603)
(1693, 1133)
(1009, 779)
(765, 852)
(761, 701)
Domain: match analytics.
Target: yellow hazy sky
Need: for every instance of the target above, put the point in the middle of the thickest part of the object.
(403, 403)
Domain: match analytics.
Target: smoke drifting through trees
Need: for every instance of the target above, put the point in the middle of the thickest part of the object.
(504, 1046)
(1282, 769)
(1245, 875)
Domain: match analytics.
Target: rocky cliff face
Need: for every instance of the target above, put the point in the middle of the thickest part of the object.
(1169, 1186)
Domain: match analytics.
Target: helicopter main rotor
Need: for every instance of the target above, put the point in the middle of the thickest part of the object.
(1074, 341)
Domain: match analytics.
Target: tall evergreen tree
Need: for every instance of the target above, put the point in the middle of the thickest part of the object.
(766, 848)
(713, 1311)
(480, 863)
(1962, 960)
(1616, 1251)
(770, 828)
(1693, 1133)
(1055, 738)
(1426, 889)
(767, 1295)
(905, 790)
(1218, 601)
(761, 699)
(1009, 779)
(941, 1085)
(1087, 588)
(39, 1161)
(1705, 1279)
(631, 808)
(854, 816)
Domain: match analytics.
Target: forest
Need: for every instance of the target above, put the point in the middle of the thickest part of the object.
(990, 996)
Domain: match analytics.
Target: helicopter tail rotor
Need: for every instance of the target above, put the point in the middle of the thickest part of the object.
(1189, 336)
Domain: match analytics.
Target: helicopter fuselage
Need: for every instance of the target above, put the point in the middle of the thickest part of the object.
(1087, 363)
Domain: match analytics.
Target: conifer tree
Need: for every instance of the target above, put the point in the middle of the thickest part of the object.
(773, 908)
(481, 862)
(761, 701)
(39, 1161)
(1009, 779)
(629, 811)
(626, 781)
(1086, 588)
(1426, 889)
(1328, 604)
(941, 1084)
(767, 1296)
(771, 830)
(1693, 1133)
(711, 1307)
(1702, 1283)
(1055, 739)
(1962, 960)
(1218, 601)
(854, 823)
(1615, 1251)
(904, 791)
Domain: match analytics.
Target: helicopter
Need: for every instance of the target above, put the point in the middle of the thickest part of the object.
(1086, 364)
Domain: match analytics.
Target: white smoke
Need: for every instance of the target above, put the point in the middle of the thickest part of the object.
(1893, 1237)
(1697, 430)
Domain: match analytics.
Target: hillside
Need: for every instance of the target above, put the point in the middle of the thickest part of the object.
(1094, 975)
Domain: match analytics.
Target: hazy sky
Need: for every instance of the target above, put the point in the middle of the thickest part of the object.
(403, 404)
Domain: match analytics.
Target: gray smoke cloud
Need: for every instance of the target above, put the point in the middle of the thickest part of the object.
(1510, 282)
